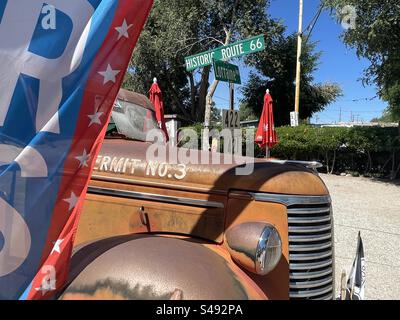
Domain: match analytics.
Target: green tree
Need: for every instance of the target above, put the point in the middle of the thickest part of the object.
(178, 28)
(160, 52)
(216, 115)
(376, 36)
(386, 117)
(246, 113)
(276, 70)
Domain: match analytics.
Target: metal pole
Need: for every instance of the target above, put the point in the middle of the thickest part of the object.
(268, 153)
(299, 49)
(343, 286)
(232, 96)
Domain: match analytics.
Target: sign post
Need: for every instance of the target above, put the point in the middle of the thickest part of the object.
(231, 121)
(223, 70)
(231, 96)
(226, 72)
(225, 53)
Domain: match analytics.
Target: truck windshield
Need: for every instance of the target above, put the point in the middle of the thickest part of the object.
(131, 121)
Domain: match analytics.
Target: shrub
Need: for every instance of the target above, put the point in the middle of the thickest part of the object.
(360, 150)
(366, 150)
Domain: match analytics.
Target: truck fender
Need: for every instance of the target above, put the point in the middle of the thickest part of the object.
(145, 267)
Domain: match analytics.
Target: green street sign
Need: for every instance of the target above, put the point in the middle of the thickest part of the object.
(226, 72)
(234, 50)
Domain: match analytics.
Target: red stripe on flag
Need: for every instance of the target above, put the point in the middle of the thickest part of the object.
(98, 98)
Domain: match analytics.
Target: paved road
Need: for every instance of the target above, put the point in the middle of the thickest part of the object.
(373, 208)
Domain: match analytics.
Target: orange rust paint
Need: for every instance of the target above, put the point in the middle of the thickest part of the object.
(267, 176)
(122, 165)
(154, 267)
(105, 216)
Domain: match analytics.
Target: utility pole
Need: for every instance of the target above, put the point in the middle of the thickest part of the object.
(340, 115)
(298, 67)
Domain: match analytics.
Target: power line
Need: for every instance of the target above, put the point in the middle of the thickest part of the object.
(220, 98)
(360, 99)
(313, 22)
(343, 111)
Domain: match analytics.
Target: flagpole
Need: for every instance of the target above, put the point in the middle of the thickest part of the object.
(343, 285)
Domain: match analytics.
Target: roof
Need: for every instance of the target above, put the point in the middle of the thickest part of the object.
(135, 98)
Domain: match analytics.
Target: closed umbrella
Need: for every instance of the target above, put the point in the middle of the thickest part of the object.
(156, 99)
(266, 134)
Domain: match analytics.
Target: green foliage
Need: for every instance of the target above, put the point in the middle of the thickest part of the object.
(387, 117)
(276, 70)
(246, 113)
(179, 28)
(170, 26)
(376, 36)
(358, 149)
(216, 115)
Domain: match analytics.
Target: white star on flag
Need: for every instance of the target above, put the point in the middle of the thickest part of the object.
(56, 247)
(123, 30)
(73, 200)
(95, 118)
(83, 159)
(109, 75)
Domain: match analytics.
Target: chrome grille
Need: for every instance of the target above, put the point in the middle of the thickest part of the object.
(311, 248)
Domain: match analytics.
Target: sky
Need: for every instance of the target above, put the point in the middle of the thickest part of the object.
(338, 64)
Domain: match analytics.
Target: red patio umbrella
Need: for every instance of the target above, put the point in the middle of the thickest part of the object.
(266, 134)
(156, 99)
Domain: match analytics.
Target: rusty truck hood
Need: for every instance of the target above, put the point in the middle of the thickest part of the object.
(128, 160)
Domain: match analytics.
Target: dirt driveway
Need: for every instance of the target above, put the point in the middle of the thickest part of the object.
(373, 208)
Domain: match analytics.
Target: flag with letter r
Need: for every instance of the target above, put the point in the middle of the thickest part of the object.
(62, 63)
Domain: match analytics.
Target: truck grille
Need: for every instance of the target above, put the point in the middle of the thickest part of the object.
(311, 248)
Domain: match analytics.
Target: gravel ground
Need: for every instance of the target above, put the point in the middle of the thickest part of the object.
(373, 208)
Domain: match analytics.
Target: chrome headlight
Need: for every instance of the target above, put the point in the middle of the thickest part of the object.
(256, 246)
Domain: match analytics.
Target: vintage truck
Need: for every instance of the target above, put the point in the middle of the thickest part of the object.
(159, 231)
